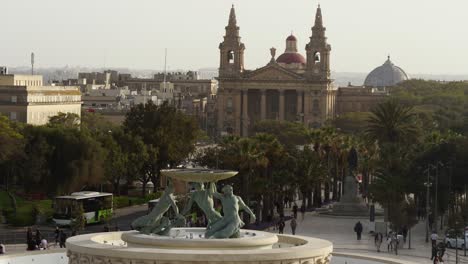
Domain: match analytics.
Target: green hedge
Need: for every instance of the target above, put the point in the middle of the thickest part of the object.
(26, 210)
(124, 201)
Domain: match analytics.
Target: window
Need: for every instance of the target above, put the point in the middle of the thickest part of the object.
(315, 105)
(14, 99)
(317, 57)
(229, 102)
(13, 115)
(231, 57)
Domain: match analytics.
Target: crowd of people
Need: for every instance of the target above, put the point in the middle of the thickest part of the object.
(36, 241)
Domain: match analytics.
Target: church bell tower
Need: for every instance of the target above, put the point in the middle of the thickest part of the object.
(232, 50)
(318, 52)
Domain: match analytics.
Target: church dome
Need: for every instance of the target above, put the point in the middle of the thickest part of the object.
(290, 55)
(386, 75)
(289, 58)
(291, 38)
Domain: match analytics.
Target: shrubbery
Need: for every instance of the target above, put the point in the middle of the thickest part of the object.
(124, 201)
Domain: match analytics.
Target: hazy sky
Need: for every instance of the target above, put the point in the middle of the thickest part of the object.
(422, 36)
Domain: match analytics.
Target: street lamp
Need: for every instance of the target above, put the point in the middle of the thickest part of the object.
(428, 185)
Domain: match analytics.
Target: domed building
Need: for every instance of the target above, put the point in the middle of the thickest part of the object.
(291, 87)
(291, 59)
(386, 75)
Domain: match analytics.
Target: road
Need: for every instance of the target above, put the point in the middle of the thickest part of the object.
(122, 219)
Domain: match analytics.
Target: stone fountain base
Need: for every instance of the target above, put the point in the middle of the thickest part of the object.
(253, 247)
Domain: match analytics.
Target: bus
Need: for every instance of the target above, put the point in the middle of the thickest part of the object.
(97, 206)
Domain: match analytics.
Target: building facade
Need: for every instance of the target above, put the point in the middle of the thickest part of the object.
(23, 98)
(290, 88)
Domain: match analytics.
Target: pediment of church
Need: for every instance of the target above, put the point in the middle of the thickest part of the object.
(273, 72)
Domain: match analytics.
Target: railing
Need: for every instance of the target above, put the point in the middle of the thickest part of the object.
(19, 237)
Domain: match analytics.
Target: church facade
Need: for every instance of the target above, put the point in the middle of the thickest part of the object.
(289, 88)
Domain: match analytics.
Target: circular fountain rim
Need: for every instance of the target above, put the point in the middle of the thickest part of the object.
(87, 245)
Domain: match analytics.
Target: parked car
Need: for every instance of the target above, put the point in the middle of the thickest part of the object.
(451, 242)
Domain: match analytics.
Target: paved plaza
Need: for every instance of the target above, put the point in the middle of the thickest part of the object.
(339, 230)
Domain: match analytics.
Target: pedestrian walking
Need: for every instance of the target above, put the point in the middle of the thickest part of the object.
(293, 226)
(63, 239)
(30, 240)
(434, 238)
(295, 210)
(358, 229)
(389, 242)
(404, 232)
(56, 235)
(38, 238)
(433, 252)
(378, 240)
(281, 226)
(431, 220)
(303, 209)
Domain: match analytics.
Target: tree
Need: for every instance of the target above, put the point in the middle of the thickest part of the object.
(68, 120)
(170, 135)
(272, 151)
(311, 172)
(289, 134)
(78, 222)
(11, 144)
(96, 124)
(391, 122)
(64, 159)
(116, 161)
(10, 139)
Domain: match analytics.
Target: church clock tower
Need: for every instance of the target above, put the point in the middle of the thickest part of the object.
(318, 52)
(232, 50)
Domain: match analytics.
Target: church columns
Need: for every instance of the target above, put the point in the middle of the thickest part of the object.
(245, 113)
(307, 101)
(281, 105)
(299, 105)
(263, 105)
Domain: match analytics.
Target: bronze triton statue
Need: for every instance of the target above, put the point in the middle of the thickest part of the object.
(204, 199)
(226, 226)
(155, 222)
(230, 224)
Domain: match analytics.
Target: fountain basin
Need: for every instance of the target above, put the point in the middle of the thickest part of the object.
(111, 248)
(193, 238)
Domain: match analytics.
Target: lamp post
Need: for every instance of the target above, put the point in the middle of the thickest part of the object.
(428, 185)
(436, 201)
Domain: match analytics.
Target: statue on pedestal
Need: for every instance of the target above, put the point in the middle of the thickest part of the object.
(204, 199)
(155, 222)
(226, 226)
(350, 203)
(230, 225)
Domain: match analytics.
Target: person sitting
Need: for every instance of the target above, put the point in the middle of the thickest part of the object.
(44, 244)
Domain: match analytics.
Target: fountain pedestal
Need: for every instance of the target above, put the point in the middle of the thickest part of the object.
(350, 204)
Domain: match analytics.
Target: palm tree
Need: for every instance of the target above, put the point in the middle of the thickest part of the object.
(311, 173)
(391, 122)
(272, 152)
